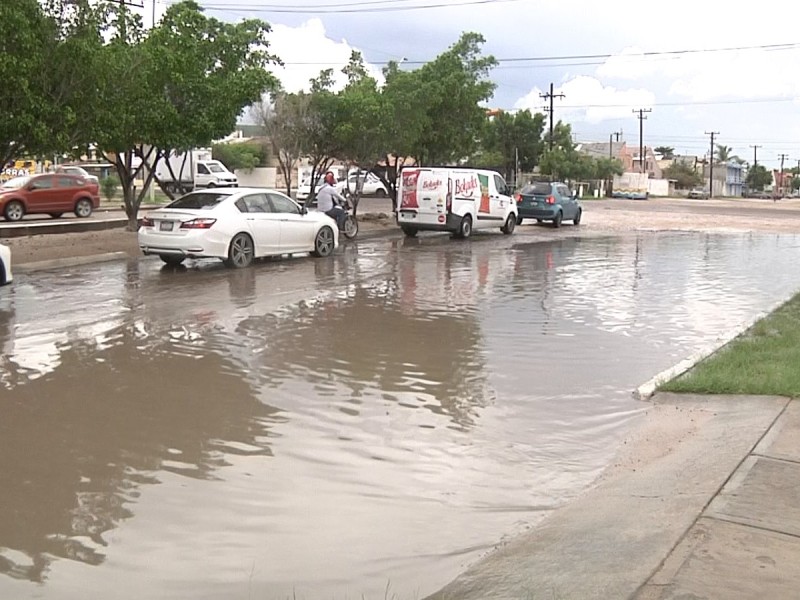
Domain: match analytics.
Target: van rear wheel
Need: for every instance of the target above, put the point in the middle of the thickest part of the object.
(511, 223)
(409, 231)
(465, 227)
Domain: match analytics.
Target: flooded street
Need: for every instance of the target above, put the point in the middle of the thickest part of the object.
(325, 428)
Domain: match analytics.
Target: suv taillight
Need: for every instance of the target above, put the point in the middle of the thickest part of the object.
(551, 200)
(198, 224)
(518, 198)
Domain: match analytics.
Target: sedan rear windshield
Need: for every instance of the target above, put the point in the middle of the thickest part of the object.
(199, 200)
(536, 189)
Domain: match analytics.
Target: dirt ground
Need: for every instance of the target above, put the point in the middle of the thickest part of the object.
(603, 216)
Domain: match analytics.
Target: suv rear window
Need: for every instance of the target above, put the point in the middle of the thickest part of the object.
(536, 189)
(198, 200)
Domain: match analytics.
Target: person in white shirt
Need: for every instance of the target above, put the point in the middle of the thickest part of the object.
(329, 200)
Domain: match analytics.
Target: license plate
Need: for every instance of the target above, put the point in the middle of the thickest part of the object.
(409, 215)
(165, 226)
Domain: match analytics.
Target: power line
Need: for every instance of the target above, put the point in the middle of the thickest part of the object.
(352, 8)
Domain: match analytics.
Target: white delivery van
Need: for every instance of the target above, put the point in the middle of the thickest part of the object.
(182, 172)
(455, 200)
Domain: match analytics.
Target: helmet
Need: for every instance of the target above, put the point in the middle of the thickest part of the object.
(330, 178)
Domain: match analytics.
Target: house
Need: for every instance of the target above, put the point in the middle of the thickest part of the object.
(618, 150)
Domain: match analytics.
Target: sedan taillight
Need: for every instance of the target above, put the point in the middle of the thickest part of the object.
(198, 224)
(146, 222)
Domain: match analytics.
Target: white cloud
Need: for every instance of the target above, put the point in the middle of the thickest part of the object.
(306, 50)
(588, 100)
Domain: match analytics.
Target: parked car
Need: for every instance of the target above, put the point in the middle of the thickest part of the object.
(5, 265)
(304, 189)
(50, 193)
(372, 185)
(699, 194)
(236, 225)
(548, 201)
(77, 170)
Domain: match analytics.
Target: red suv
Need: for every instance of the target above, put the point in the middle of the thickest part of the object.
(49, 193)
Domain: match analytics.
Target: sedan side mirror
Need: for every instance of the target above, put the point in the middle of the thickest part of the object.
(303, 210)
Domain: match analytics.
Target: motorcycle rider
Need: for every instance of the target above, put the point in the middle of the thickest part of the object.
(330, 201)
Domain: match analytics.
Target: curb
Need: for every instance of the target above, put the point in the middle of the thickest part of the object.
(38, 228)
(648, 389)
(72, 261)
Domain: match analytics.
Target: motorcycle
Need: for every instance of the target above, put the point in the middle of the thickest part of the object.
(350, 229)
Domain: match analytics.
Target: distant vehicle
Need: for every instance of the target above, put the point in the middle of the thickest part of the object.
(699, 194)
(49, 193)
(548, 201)
(371, 186)
(236, 225)
(183, 172)
(5, 265)
(454, 200)
(304, 189)
(77, 170)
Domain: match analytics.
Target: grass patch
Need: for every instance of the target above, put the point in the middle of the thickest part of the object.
(765, 359)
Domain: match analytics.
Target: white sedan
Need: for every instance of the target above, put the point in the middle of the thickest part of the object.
(236, 225)
(5, 265)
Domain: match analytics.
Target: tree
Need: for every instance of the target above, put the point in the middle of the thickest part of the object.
(685, 176)
(358, 126)
(758, 177)
(317, 132)
(50, 50)
(180, 86)
(723, 153)
(668, 152)
(283, 120)
(509, 140)
(245, 155)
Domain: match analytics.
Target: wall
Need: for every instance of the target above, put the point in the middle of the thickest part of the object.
(258, 177)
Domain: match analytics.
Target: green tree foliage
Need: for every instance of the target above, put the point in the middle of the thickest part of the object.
(723, 153)
(108, 185)
(668, 152)
(319, 143)
(758, 177)
(283, 120)
(511, 139)
(685, 176)
(49, 51)
(246, 155)
(176, 87)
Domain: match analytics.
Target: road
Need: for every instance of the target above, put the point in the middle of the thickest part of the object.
(323, 427)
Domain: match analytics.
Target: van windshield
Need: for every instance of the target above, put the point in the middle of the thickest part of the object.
(538, 188)
(216, 167)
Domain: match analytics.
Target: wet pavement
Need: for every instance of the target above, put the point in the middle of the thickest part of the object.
(326, 428)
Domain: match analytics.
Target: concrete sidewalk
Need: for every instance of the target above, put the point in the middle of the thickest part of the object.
(703, 501)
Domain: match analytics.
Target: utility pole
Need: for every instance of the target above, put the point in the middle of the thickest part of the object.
(641, 118)
(550, 96)
(755, 154)
(610, 142)
(711, 164)
(781, 186)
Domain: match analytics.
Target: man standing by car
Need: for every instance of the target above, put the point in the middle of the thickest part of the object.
(329, 201)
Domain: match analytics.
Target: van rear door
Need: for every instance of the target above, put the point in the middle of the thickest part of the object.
(424, 196)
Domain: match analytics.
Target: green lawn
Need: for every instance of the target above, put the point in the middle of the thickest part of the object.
(763, 360)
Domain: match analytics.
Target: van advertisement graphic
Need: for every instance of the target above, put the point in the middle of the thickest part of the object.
(484, 205)
(409, 199)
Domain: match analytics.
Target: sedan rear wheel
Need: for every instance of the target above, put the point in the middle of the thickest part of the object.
(83, 208)
(14, 211)
(323, 243)
(172, 259)
(241, 251)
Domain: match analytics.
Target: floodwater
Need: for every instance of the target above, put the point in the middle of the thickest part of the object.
(333, 428)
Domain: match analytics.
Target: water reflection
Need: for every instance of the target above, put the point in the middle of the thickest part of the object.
(326, 426)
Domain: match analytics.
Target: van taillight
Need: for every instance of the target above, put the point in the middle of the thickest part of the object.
(198, 224)
(551, 200)
(449, 198)
(146, 222)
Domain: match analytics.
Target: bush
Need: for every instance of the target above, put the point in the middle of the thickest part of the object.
(108, 186)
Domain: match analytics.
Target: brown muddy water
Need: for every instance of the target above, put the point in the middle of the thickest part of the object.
(330, 428)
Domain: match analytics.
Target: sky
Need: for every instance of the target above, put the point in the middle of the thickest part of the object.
(725, 67)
